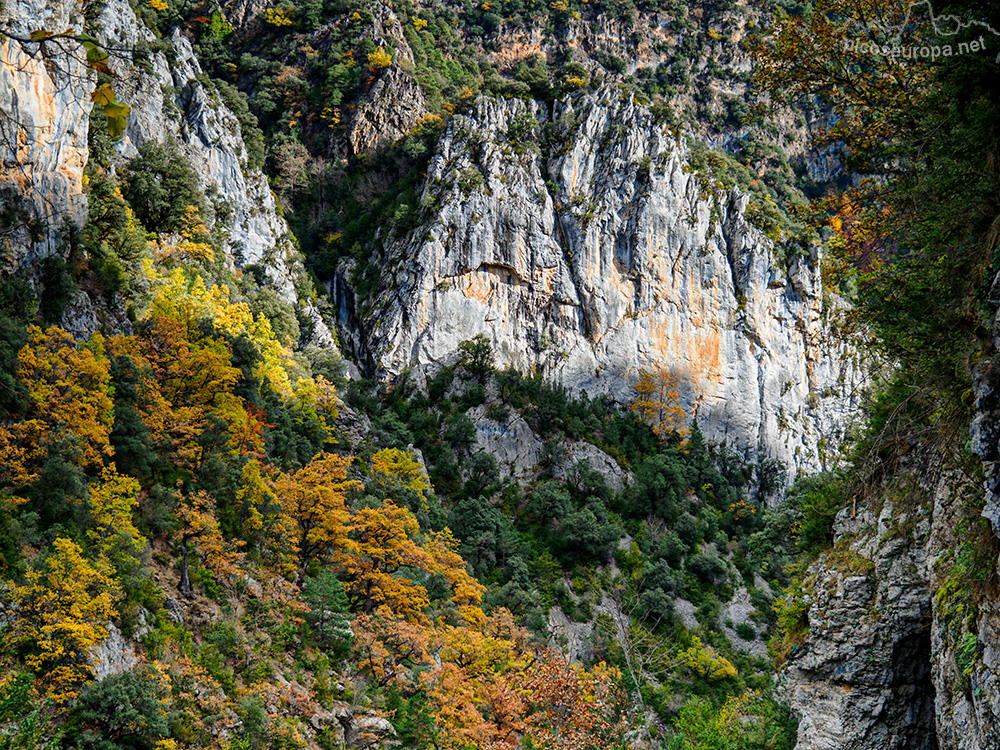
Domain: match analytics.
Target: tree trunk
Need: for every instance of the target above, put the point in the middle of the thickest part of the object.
(185, 586)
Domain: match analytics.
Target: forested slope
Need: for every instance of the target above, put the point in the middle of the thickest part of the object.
(443, 375)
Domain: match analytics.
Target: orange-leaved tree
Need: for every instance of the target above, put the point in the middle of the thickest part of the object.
(315, 497)
(658, 402)
(493, 687)
(200, 525)
(382, 543)
(386, 643)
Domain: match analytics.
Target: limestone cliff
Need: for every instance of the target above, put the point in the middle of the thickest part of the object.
(899, 652)
(45, 108)
(903, 614)
(44, 111)
(596, 251)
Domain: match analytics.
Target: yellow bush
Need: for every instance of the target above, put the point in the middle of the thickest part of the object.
(705, 661)
(278, 17)
(379, 59)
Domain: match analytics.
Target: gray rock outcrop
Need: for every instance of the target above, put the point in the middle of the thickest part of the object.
(113, 655)
(170, 102)
(44, 114)
(606, 255)
(894, 658)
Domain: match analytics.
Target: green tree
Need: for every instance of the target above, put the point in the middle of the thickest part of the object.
(130, 437)
(159, 186)
(476, 356)
(328, 607)
(585, 535)
(25, 724)
(121, 711)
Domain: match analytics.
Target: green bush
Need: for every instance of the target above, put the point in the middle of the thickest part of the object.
(120, 711)
(818, 498)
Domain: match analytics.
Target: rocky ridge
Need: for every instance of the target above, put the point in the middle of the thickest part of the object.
(603, 254)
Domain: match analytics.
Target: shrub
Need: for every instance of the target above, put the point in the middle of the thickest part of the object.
(121, 711)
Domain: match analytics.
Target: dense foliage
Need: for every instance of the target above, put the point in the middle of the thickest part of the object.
(915, 242)
(192, 485)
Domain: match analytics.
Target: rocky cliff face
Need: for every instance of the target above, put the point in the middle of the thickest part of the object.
(895, 656)
(45, 106)
(44, 111)
(904, 612)
(601, 253)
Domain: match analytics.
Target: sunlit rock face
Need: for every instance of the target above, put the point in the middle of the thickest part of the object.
(44, 111)
(604, 255)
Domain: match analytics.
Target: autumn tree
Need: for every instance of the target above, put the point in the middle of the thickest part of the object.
(381, 543)
(68, 388)
(916, 238)
(401, 465)
(195, 379)
(315, 498)
(494, 688)
(657, 402)
(386, 644)
(15, 475)
(824, 53)
(112, 533)
(266, 525)
(61, 612)
(704, 661)
(442, 546)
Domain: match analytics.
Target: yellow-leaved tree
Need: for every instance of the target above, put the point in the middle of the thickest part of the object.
(401, 465)
(112, 533)
(704, 661)
(61, 612)
(266, 524)
(658, 402)
(69, 388)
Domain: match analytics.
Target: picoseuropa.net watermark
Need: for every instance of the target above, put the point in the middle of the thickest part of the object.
(944, 36)
(912, 52)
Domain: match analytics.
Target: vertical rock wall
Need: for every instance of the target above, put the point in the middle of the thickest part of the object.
(605, 255)
(44, 112)
(895, 658)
